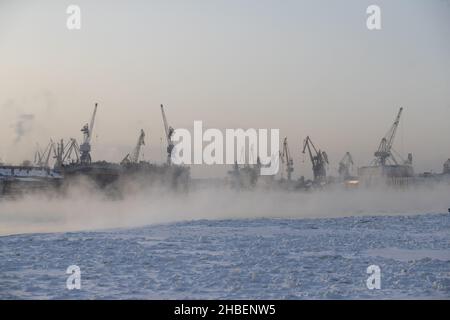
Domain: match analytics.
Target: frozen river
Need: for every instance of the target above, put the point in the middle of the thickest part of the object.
(236, 259)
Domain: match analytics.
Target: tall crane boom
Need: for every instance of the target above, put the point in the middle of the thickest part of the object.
(85, 147)
(91, 125)
(50, 148)
(287, 159)
(169, 132)
(134, 156)
(137, 149)
(319, 159)
(66, 153)
(42, 158)
(383, 154)
(306, 144)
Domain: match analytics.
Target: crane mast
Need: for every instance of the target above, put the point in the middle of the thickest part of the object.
(287, 159)
(319, 159)
(42, 158)
(383, 154)
(137, 149)
(134, 156)
(68, 153)
(38, 155)
(85, 147)
(50, 148)
(169, 132)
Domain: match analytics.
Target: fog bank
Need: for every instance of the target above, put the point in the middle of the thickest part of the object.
(85, 209)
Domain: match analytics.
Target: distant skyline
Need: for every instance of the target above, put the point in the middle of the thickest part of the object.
(304, 67)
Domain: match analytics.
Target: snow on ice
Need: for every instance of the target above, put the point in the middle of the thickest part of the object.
(236, 259)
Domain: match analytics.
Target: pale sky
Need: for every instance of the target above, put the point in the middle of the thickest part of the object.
(304, 67)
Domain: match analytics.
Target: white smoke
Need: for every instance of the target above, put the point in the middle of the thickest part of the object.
(23, 125)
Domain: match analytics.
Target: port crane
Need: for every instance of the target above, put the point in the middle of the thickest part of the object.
(85, 147)
(287, 160)
(384, 155)
(319, 160)
(66, 153)
(134, 156)
(345, 166)
(42, 158)
(169, 131)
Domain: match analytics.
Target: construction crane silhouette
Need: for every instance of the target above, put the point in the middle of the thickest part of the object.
(287, 160)
(133, 158)
(42, 157)
(169, 133)
(85, 147)
(383, 155)
(319, 160)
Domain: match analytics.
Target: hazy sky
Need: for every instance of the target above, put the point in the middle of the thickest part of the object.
(305, 67)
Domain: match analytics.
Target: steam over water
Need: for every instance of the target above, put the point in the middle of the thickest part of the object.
(86, 209)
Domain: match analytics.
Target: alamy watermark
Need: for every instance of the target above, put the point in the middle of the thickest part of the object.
(373, 21)
(73, 21)
(374, 280)
(239, 146)
(74, 279)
